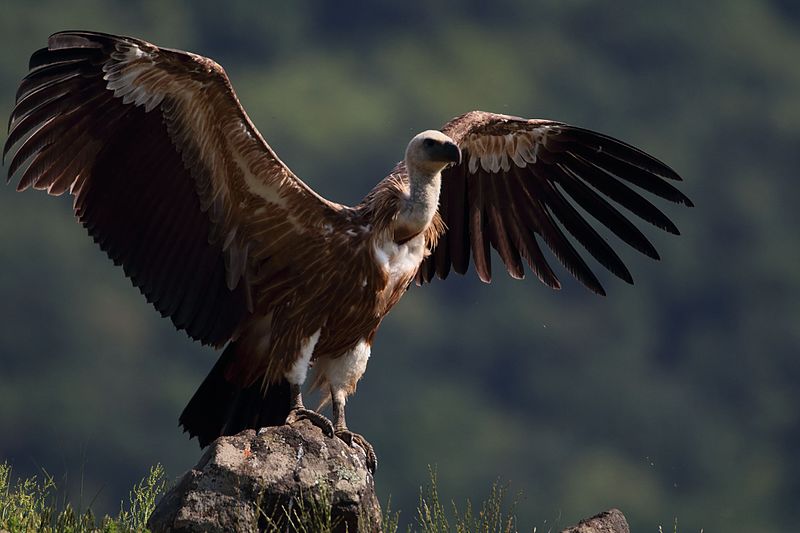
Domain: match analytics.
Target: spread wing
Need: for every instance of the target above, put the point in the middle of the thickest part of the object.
(521, 182)
(169, 175)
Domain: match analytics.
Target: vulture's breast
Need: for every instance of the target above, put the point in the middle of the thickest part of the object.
(399, 263)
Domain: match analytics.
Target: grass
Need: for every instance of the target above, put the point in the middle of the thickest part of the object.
(304, 515)
(32, 505)
(313, 515)
(490, 517)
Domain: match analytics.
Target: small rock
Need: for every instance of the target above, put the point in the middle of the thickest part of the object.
(270, 481)
(611, 521)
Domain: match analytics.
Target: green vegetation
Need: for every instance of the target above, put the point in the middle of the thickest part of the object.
(32, 504)
(307, 515)
(492, 516)
(675, 397)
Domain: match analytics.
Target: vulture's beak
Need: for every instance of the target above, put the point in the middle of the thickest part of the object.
(451, 153)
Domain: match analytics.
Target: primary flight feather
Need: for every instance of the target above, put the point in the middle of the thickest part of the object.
(177, 186)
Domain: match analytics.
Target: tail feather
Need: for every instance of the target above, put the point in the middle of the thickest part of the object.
(220, 407)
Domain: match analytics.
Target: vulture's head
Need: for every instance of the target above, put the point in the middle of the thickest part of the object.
(431, 151)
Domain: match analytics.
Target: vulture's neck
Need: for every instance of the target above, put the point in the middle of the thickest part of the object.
(418, 208)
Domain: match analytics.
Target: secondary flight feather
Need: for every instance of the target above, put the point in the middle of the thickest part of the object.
(174, 182)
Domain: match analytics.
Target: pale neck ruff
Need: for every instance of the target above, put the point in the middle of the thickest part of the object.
(419, 207)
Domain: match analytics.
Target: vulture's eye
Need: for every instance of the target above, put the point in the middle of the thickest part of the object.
(427, 143)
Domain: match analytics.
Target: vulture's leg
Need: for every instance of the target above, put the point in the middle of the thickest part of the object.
(338, 400)
(297, 412)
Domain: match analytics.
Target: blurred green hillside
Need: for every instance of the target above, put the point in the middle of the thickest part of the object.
(677, 397)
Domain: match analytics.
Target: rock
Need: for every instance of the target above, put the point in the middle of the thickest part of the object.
(276, 480)
(611, 521)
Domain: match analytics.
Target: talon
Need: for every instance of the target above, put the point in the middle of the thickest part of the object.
(301, 413)
(354, 439)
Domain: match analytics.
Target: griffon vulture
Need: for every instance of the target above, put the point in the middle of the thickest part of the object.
(177, 186)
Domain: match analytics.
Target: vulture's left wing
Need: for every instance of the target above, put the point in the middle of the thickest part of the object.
(522, 180)
(169, 175)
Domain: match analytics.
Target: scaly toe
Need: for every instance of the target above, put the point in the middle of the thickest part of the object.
(295, 415)
(353, 440)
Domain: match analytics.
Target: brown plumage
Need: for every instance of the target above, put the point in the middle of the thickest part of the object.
(177, 186)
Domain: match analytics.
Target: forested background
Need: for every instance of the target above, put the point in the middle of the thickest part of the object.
(676, 397)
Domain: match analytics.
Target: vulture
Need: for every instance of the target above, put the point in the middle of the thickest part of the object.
(175, 183)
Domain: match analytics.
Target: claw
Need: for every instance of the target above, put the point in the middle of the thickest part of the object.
(301, 413)
(353, 440)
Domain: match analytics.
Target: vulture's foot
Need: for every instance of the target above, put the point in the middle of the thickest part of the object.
(354, 439)
(301, 413)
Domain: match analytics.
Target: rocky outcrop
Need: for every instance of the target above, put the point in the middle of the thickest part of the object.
(287, 478)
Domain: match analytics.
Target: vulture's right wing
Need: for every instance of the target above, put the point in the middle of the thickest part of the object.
(169, 175)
